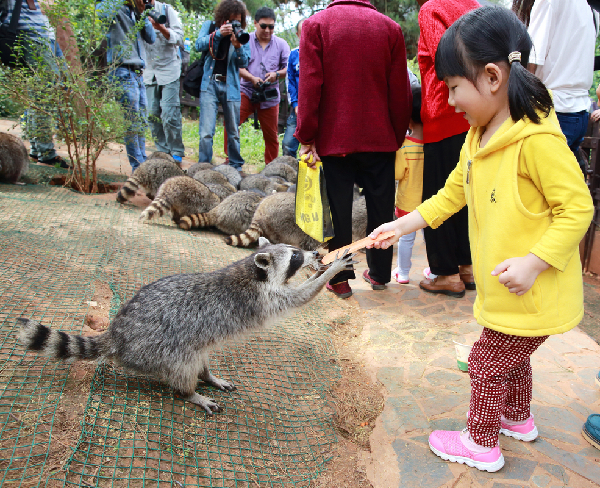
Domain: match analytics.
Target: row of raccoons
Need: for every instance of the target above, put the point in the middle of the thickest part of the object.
(258, 205)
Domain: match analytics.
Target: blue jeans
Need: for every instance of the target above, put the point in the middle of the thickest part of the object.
(41, 53)
(290, 143)
(209, 103)
(574, 126)
(164, 116)
(133, 100)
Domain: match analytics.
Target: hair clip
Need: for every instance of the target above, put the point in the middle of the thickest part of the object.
(514, 56)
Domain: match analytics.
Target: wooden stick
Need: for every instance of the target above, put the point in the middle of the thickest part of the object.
(355, 246)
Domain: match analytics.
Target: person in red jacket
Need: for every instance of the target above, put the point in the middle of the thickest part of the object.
(444, 132)
(353, 113)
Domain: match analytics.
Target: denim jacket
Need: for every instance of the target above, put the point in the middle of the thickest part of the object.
(236, 58)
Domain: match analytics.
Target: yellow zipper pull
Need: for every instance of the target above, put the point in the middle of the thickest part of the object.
(468, 170)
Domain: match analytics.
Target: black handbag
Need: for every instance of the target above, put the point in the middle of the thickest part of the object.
(8, 38)
(192, 79)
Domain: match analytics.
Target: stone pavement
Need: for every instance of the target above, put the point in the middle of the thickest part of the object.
(407, 343)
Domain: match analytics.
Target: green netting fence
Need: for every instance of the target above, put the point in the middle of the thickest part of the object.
(62, 427)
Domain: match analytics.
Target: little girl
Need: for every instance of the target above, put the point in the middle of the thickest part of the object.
(528, 210)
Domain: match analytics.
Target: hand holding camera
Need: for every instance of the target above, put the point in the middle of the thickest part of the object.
(239, 37)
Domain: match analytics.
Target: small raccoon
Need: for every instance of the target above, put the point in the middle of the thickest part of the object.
(161, 155)
(211, 176)
(359, 218)
(180, 195)
(193, 169)
(232, 216)
(232, 174)
(280, 180)
(289, 160)
(262, 183)
(14, 160)
(148, 177)
(275, 219)
(280, 169)
(167, 329)
(220, 190)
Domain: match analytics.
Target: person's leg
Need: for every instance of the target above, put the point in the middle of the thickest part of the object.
(290, 143)
(153, 94)
(376, 177)
(142, 116)
(269, 118)
(494, 359)
(405, 247)
(171, 118)
(339, 179)
(231, 120)
(574, 127)
(246, 110)
(209, 105)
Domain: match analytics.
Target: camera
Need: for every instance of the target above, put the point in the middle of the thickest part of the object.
(240, 34)
(153, 14)
(264, 92)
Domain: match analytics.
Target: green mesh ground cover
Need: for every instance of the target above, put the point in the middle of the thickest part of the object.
(57, 249)
(41, 175)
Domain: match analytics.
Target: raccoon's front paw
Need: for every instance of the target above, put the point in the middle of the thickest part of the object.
(344, 262)
(208, 404)
(221, 384)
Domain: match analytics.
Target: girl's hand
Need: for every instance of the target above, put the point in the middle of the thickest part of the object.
(390, 241)
(595, 116)
(519, 274)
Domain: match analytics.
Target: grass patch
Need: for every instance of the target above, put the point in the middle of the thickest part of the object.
(252, 144)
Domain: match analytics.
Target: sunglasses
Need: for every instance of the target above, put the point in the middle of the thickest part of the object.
(267, 26)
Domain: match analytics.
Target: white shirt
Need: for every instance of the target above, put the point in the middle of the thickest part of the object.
(564, 42)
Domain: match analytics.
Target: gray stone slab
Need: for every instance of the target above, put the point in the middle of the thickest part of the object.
(581, 409)
(448, 424)
(435, 402)
(583, 360)
(588, 375)
(580, 464)
(557, 471)
(590, 452)
(550, 433)
(515, 468)
(392, 378)
(364, 301)
(403, 414)
(416, 370)
(446, 361)
(548, 395)
(443, 378)
(384, 337)
(556, 417)
(588, 394)
(540, 481)
(513, 446)
(419, 467)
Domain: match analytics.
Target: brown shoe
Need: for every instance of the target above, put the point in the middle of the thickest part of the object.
(451, 289)
(469, 281)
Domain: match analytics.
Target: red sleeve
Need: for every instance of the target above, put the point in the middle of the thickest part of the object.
(399, 93)
(310, 83)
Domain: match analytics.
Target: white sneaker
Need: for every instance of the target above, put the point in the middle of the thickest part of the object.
(428, 274)
(400, 278)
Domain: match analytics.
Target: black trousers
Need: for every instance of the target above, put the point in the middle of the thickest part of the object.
(448, 245)
(374, 173)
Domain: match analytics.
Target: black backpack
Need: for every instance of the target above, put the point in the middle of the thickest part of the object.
(8, 38)
(193, 77)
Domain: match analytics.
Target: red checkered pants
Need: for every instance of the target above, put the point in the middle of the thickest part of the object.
(501, 383)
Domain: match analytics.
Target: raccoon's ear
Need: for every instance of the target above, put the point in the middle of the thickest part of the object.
(263, 260)
(263, 241)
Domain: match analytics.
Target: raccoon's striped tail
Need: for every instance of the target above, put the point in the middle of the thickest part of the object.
(157, 208)
(194, 221)
(128, 190)
(246, 239)
(57, 344)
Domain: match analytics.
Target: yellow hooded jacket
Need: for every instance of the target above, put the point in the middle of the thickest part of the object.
(525, 193)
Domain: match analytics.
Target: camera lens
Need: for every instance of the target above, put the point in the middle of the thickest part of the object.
(158, 18)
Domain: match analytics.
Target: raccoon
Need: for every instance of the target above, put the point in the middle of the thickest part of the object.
(275, 219)
(289, 160)
(14, 160)
(220, 190)
(161, 155)
(359, 218)
(193, 169)
(280, 180)
(280, 169)
(262, 183)
(166, 330)
(148, 177)
(232, 216)
(232, 174)
(180, 195)
(211, 176)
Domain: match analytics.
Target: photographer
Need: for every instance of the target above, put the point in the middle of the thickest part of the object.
(161, 77)
(221, 79)
(268, 64)
(126, 56)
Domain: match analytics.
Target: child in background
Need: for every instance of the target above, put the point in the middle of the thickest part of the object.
(409, 173)
(528, 210)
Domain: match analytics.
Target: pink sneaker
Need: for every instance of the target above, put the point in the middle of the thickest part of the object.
(452, 446)
(525, 432)
(403, 280)
(428, 274)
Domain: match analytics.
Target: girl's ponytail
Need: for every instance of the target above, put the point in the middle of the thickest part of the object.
(527, 95)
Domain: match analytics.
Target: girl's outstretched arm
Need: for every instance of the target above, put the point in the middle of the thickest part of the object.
(404, 225)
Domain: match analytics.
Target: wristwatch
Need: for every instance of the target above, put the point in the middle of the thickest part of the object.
(276, 75)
